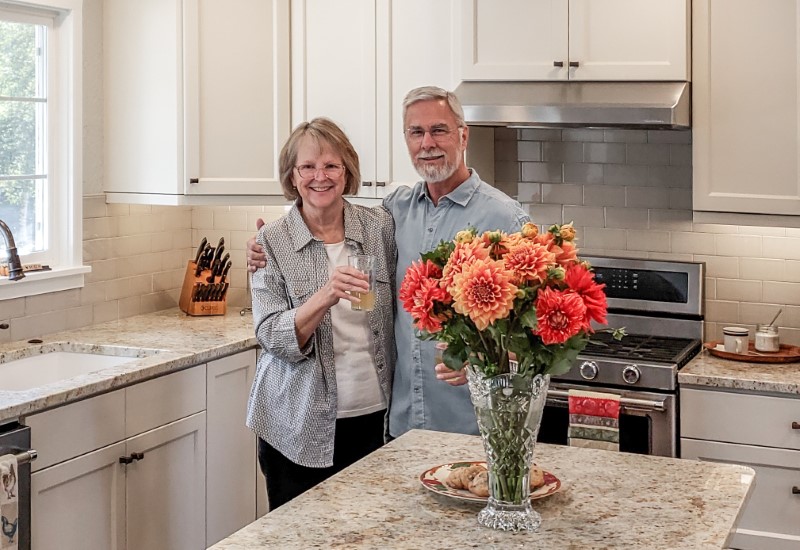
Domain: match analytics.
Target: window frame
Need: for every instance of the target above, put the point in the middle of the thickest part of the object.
(64, 144)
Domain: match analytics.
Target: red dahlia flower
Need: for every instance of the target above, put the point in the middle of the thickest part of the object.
(581, 280)
(559, 314)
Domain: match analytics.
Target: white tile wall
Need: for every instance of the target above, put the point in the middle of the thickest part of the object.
(629, 194)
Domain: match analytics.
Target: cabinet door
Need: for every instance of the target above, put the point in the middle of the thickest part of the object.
(629, 39)
(231, 458)
(745, 113)
(80, 504)
(236, 84)
(333, 72)
(770, 516)
(513, 39)
(415, 48)
(166, 489)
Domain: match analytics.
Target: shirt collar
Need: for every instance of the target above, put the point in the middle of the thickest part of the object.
(301, 236)
(461, 194)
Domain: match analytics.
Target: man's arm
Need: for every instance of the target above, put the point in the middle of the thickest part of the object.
(256, 258)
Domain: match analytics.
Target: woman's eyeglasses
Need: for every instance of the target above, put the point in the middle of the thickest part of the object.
(308, 171)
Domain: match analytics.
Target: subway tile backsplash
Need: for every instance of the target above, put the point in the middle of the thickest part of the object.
(629, 193)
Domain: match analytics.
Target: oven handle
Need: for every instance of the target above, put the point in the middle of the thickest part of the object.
(562, 396)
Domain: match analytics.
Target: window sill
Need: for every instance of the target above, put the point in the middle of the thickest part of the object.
(41, 282)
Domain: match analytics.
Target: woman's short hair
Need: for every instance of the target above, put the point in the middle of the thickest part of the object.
(326, 134)
(428, 93)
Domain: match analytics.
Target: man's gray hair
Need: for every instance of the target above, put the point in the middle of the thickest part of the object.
(427, 93)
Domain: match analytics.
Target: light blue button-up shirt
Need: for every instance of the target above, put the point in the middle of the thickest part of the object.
(419, 400)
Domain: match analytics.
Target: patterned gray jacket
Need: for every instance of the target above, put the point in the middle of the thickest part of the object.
(292, 403)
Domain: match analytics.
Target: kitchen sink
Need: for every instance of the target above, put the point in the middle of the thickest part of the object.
(52, 366)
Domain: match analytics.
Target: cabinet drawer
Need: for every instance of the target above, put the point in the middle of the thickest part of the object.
(740, 418)
(770, 516)
(165, 399)
(74, 429)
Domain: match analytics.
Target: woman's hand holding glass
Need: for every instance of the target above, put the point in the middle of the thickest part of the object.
(343, 281)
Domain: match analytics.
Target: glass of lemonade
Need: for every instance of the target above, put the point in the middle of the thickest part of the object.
(365, 263)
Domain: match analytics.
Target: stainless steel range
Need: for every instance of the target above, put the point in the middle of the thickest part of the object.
(660, 304)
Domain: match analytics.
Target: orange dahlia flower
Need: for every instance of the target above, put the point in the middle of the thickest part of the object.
(463, 253)
(529, 261)
(419, 292)
(484, 292)
(559, 314)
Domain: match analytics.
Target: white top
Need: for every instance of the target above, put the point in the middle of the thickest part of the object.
(358, 391)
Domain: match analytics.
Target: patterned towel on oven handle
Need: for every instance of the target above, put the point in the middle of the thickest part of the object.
(593, 420)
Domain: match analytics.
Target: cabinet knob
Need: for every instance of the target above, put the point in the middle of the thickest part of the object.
(558, 63)
(137, 456)
(125, 459)
(574, 64)
(194, 180)
(796, 425)
(796, 490)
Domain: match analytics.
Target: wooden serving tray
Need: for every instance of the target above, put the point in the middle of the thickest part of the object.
(786, 354)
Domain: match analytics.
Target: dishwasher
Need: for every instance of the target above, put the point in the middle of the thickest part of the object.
(15, 439)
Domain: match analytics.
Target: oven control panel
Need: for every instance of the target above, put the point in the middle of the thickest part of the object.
(644, 284)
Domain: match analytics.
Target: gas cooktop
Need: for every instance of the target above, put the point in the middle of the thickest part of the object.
(657, 349)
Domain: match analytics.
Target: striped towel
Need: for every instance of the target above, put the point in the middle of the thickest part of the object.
(9, 507)
(594, 420)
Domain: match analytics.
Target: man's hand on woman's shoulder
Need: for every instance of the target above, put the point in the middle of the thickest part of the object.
(256, 257)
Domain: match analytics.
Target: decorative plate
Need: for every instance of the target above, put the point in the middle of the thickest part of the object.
(786, 353)
(433, 480)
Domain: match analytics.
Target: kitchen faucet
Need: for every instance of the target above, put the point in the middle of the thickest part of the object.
(14, 265)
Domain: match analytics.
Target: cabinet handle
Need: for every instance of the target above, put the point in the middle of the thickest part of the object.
(796, 425)
(574, 64)
(380, 184)
(125, 459)
(796, 490)
(558, 63)
(194, 180)
(366, 184)
(137, 456)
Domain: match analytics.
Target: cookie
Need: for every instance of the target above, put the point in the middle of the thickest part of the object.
(460, 477)
(480, 484)
(536, 477)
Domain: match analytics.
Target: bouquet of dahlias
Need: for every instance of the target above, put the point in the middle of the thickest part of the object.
(491, 295)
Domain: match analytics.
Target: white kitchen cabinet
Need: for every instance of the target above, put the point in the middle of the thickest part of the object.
(231, 484)
(354, 60)
(166, 463)
(574, 39)
(196, 100)
(745, 114)
(759, 431)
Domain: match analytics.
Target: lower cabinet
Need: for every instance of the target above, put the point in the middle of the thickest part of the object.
(759, 431)
(163, 464)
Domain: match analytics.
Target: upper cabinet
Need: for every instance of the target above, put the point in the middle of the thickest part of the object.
(353, 61)
(746, 131)
(196, 99)
(574, 39)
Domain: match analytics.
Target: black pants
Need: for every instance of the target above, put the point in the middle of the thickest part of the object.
(355, 438)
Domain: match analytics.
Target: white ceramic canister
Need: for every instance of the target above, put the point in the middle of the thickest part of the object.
(736, 339)
(767, 338)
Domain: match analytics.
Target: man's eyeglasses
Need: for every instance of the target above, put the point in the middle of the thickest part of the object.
(308, 171)
(415, 134)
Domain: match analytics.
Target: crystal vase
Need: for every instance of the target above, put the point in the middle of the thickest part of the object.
(509, 411)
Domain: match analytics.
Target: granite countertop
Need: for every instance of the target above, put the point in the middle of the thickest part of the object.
(161, 342)
(715, 372)
(607, 500)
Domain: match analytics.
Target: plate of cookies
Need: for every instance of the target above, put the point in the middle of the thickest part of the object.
(470, 481)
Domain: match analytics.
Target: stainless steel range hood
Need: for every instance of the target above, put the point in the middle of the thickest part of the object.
(577, 104)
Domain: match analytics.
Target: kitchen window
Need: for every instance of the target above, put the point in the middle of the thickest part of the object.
(40, 142)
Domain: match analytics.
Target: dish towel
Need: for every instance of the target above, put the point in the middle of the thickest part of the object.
(9, 505)
(593, 420)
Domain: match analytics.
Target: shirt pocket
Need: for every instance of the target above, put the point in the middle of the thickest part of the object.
(298, 291)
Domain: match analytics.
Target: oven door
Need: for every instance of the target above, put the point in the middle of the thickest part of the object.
(647, 420)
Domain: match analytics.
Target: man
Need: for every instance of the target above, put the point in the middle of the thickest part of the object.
(450, 198)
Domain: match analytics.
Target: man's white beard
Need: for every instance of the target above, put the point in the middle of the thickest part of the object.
(435, 174)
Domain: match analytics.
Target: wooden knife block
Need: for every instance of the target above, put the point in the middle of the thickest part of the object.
(198, 308)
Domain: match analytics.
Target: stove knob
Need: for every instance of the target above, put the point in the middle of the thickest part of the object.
(631, 374)
(588, 370)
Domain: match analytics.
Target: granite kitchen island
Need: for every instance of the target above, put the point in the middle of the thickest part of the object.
(607, 500)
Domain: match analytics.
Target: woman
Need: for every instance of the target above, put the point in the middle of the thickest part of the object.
(324, 379)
